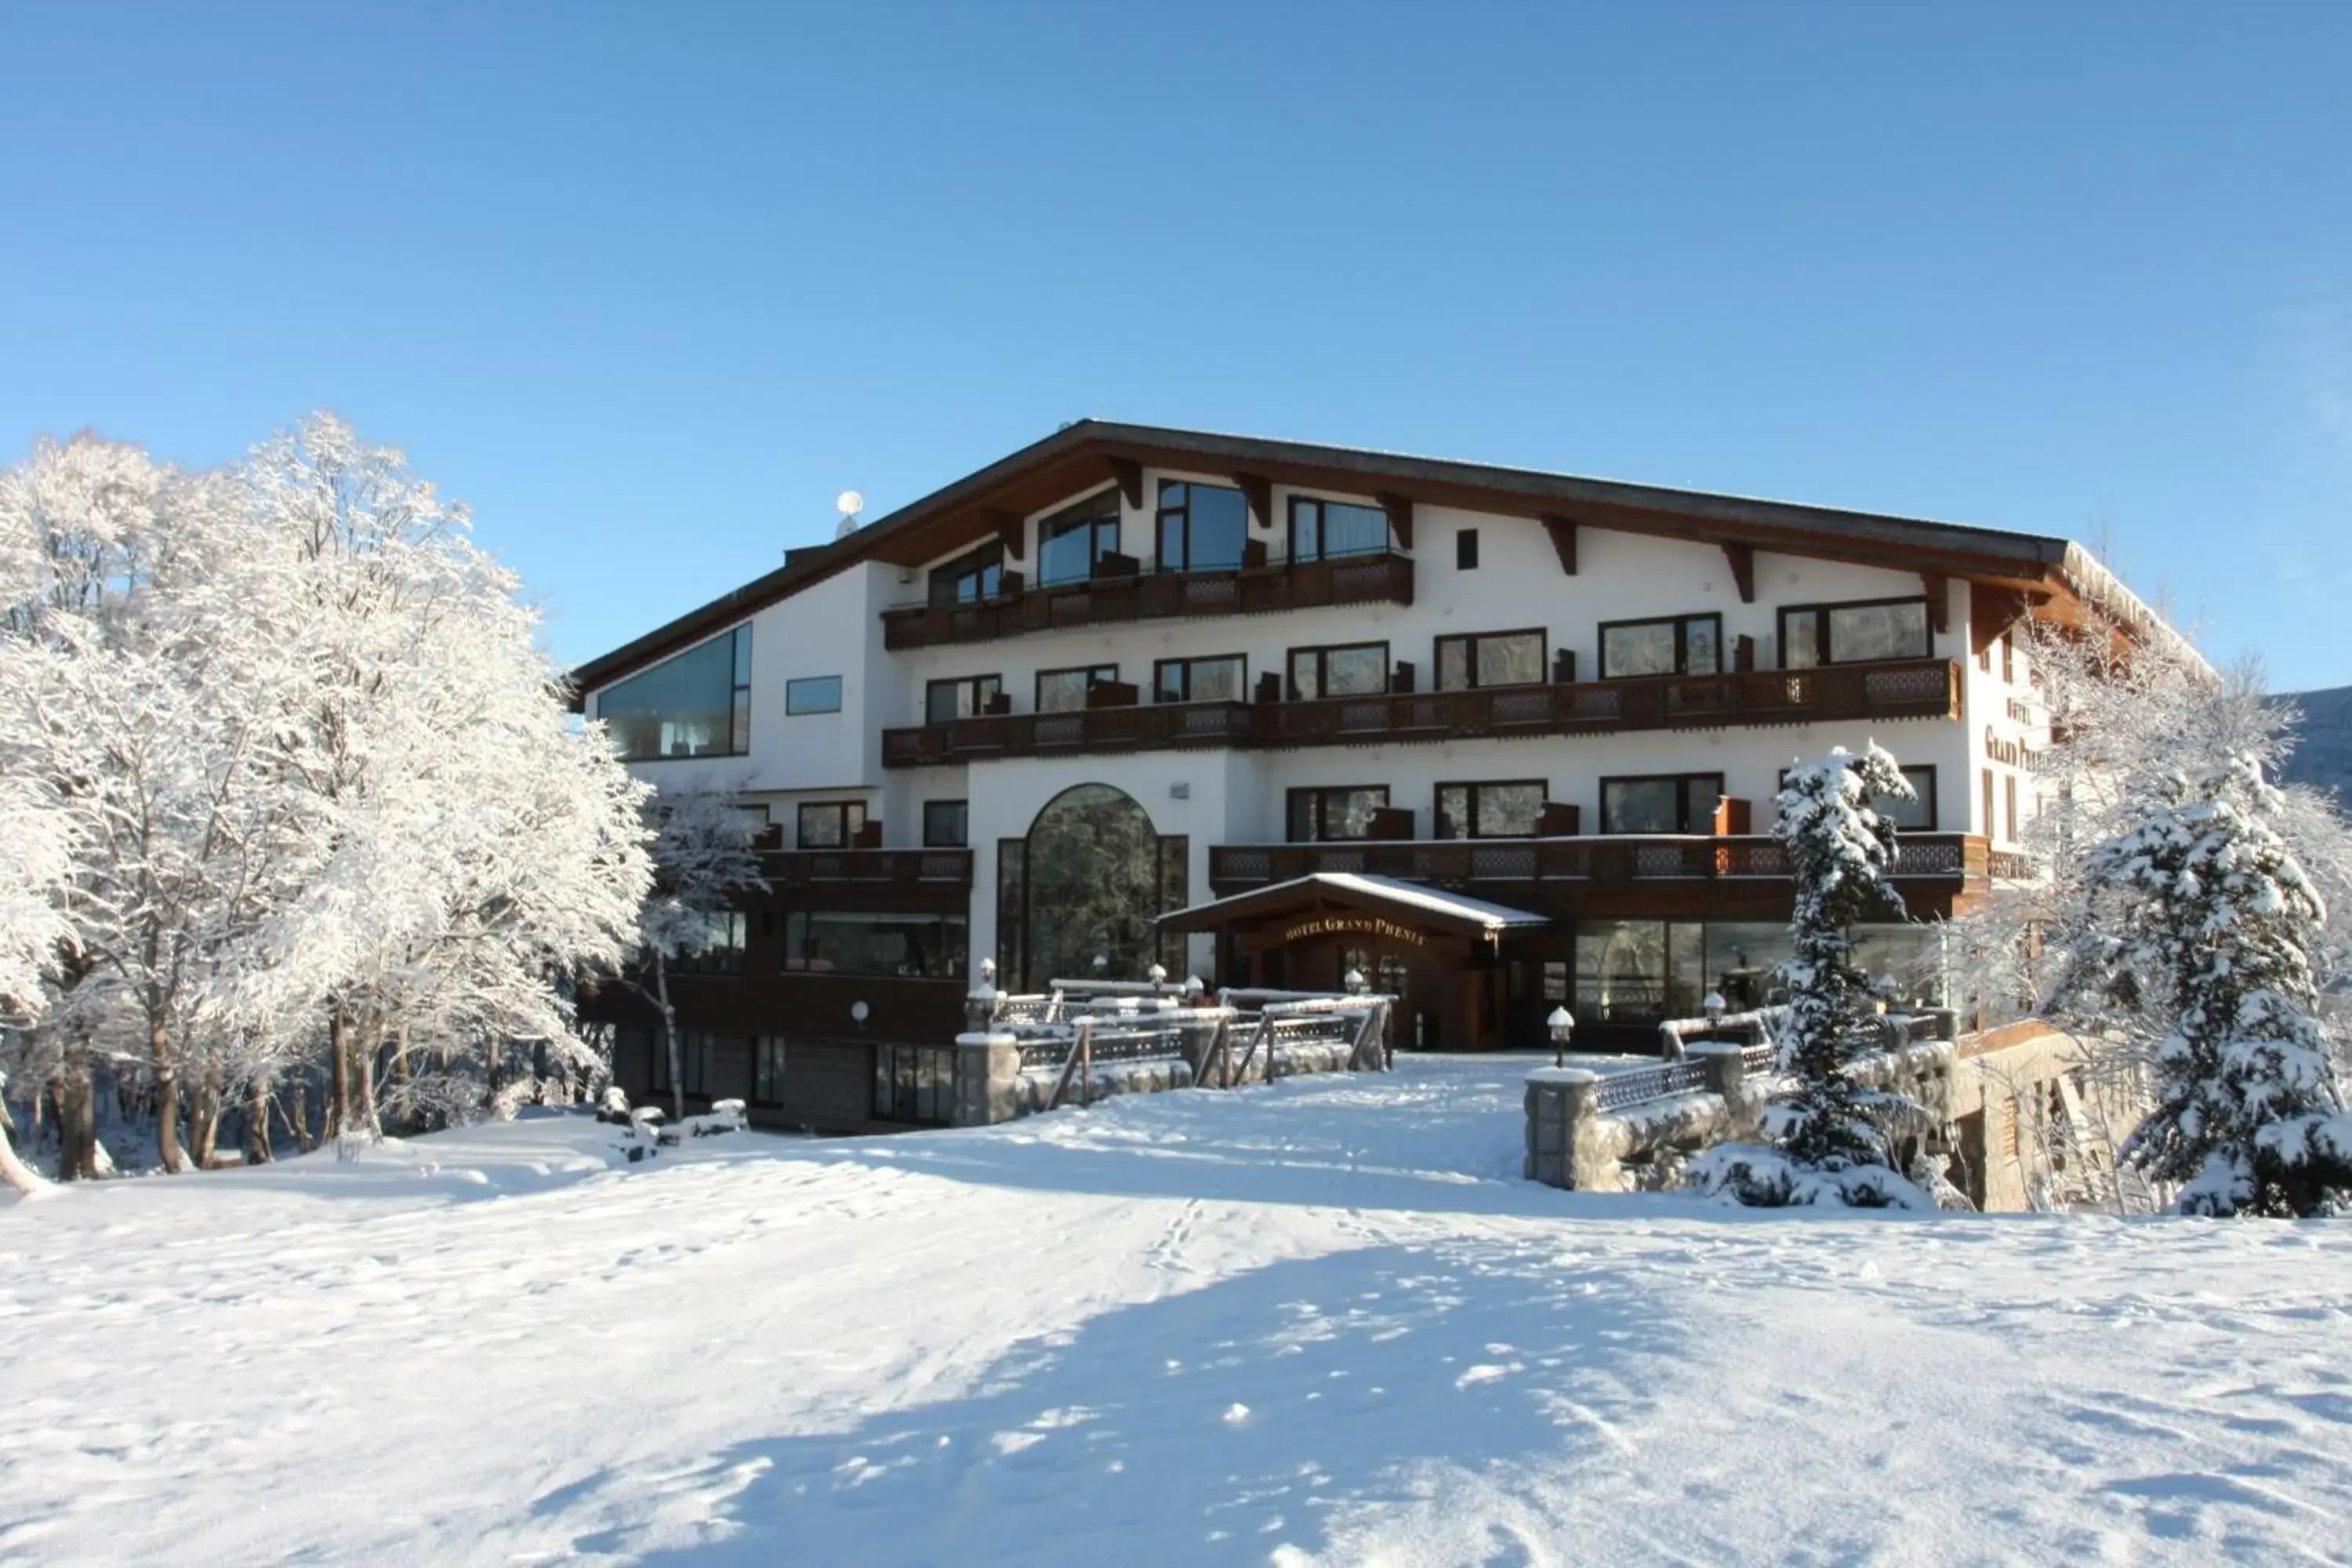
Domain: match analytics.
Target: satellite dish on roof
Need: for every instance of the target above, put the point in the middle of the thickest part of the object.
(849, 503)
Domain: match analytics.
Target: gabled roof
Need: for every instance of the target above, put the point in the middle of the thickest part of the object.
(1391, 896)
(992, 501)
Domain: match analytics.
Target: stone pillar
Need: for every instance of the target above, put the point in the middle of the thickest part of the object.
(987, 1079)
(1563, 1104)
(1726, 1074)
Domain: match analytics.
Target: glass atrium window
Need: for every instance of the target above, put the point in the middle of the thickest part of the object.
(694, 704)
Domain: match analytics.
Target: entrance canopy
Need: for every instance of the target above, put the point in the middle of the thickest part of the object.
(1336, 902)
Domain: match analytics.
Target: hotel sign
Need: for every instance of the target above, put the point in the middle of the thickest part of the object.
(1353, 925)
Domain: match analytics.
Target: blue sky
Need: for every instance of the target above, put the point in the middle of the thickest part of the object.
(648, 285)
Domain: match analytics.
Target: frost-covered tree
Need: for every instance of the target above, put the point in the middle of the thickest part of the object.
(36, 864)
(2210, 919)
(1828, 1142)
(703, 857)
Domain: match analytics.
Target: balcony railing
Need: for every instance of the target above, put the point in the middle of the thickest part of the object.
(1903, 689)
(1614, 860)
(1144, 596)
(808, 871)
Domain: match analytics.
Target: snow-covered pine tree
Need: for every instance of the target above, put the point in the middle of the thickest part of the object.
(2211, 917)
(702, 856)
(1829, 1140)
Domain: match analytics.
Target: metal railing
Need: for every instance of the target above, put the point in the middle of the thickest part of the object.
(1641, 1085)
(1617, 857)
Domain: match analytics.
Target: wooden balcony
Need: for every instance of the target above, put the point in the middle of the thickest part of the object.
(1903, 689)
(876, 871)
(1497, 865)
(1116, 600)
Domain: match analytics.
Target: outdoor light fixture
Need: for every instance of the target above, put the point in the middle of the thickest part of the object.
(1354, 983)
(1714, 1004)
(1194, 987)
(859, 1012)
(1102, 963)
(1157, 974)
(1562, 1024)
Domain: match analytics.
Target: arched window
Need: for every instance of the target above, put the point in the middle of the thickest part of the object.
(1078, 899)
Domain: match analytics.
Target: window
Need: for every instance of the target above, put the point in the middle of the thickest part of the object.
(969, 578)
(1320, 529)
(1065, 690)
(768, 1070)
(1319, 816)
(1490, 658)
(1081, 895)
(1681, 802)
(1678, 645)
(914, 1083)
(1351, 669)
(812, 694)
(1070, 541)
(1489, 810)
(694, 704)
(1853, 634)
(660, 1054)
(944, 702)
(947, 824)
(830, 823)
(1201, 527)
(1466, 550)
(2008, 658)
(905, 946)
(1988, 803)
(700, 1058)
(1224, 678)
(2009, 787)
(722, 953)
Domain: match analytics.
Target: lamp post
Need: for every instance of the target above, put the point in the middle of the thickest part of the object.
(1562, 1026)
(1714, 1004)
(1157, 975)
(1354, 983)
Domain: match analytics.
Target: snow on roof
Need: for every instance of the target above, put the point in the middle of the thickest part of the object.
(1395, 891)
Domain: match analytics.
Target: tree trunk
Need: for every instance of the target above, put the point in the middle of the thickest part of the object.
(670, 1037)
(256, 1125)
(76, 1125)
(361, 1118)
(167, 1099)
(204, 1121)
(339, 1069)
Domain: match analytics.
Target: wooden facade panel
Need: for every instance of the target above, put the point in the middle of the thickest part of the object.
(828, 1084)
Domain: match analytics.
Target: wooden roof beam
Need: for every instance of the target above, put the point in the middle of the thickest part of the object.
(1012, 528)
(1563, 541)
(1742, 558)
(1130, 474)
(1258, 490)
(1400, 511)
(1939, 588)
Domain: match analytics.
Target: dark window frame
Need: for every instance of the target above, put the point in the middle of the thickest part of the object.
(739, 723)
(842, 808)
(1094, 674)
(1822, 641)
(975, 564)
(1321, 653)
(769, 1054)
(722, 958)
(1682, 644)
(950, 682)
(793, 961)
(1683, 781)
(1466, 549)
(1322, 551)
(1437, 809)
(1926, 795)
(962, 840)
(1087, 511)
(840, 695)
(1470, 664)
(935, 1062)
(1183, 510)
(1318, 794)
(1185, 662)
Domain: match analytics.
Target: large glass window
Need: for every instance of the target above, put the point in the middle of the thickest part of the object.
(1351, 669)
(914, 1083)
(1224, 678)
(906, 946)
(1917, 814)
(1682, 803)
(1070, 541)
(1316, 815)
(1093, 880)
(969, 578)
(1490, 658)
(768, 1070)
(830, 823)
(1320, 529)
(1065, 690)
(1633, 971)
(812, 694)
(696, 704)
(1680, 644)
(1853, 634)
(722, 953)
(945, 701)
(1506, 810)
(1201, 527)
(947, 824)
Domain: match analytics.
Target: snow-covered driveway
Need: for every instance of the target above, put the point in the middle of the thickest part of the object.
(1318, 1322)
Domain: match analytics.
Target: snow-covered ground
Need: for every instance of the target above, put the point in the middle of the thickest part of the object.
(1320, 1322)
